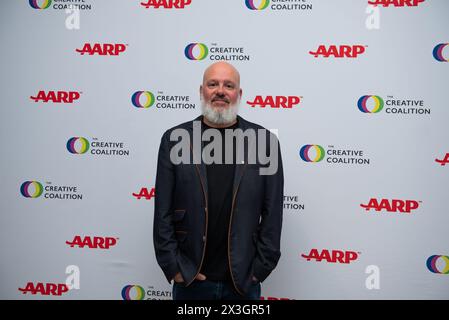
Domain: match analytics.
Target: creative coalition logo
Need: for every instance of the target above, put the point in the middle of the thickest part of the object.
(93, 242)
(102, 49)
(146, 99)
(136, 292)
(80, 145)
(285, 102)
(45, 289)
(56, 96)
(396, 3)
(316, 153)
(443, 161)
(393, 205)
(291, 202)
(144, 193)
(34, 189)
(363, 105)
(278, 5)
(438, 264)
(438, 52)
(60, 5)
(331, 256)
(341, 51)
(31, 189)
(375, 104)
(199, 51)
(166, 4)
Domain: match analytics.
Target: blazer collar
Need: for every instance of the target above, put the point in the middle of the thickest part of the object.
(239, 167)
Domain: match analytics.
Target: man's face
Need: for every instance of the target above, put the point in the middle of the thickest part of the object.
(221, 87)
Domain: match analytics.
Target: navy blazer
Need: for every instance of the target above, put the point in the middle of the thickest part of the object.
(181, 215)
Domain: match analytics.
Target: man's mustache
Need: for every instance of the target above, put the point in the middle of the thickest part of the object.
(220, 99)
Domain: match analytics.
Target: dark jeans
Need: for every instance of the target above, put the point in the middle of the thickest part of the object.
(213, 290)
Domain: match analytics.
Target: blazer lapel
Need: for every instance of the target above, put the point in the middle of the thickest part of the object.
(201, 167)
(240, 167)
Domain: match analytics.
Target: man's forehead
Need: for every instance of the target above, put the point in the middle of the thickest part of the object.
(220, 78)
(221, 71)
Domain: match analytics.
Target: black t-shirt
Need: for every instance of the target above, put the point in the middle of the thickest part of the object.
(220, 179)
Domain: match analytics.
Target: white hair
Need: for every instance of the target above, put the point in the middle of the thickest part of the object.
(219, 116)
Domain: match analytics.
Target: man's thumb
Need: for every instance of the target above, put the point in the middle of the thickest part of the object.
(201, 276)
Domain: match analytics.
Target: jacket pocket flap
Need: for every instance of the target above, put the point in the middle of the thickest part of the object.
(178, 215)
(181, 235)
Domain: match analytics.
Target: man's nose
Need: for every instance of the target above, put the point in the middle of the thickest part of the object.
(220, 90)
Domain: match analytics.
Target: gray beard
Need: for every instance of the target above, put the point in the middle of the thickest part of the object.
(219, 116)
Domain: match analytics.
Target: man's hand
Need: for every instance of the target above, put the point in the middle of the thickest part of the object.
(178, 277)
(200, 277)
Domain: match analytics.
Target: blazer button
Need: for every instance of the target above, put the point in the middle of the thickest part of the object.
(204, 238)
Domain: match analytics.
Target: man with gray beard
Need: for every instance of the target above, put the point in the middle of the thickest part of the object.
(218, 207)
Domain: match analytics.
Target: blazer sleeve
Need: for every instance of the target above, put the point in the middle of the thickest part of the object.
(164, 240)
(269, 235)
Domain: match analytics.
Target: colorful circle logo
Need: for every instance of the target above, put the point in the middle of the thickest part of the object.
(378, 104)
(131, 292)
(432, 262)
(84, 145)
(203, 51)
(148, 97)
(305, 152)
(263, 4)
(438, 52)
(26, 189)
(45, 4)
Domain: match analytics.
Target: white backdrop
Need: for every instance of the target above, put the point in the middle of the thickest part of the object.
(74, 155)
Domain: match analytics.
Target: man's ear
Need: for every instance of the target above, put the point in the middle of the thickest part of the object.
(201, 92)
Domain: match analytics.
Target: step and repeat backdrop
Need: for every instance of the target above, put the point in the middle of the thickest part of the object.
(357, 91)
